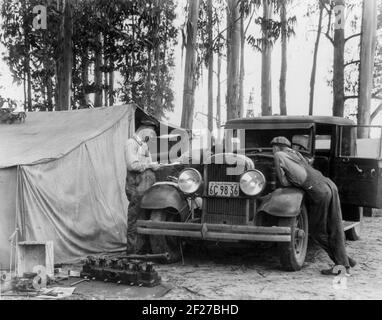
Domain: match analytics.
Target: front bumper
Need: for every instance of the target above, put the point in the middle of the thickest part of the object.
(214, 231)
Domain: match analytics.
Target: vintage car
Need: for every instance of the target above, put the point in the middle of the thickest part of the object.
(208, 202)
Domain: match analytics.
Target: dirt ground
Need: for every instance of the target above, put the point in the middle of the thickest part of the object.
(222, 272)
(256, 275)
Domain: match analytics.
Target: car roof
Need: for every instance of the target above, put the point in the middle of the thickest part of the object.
(290, 120)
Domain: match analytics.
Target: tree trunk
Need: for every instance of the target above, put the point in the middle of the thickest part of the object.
(43, 94)
(368, 45)
(111, 74)
(29, 84)
(242, 69)
(25, 92)
(266, 65)
(158, 74)
(65, 61)
(48, 85)
(98, 73)
(105, 72)
(85, 77)
(148, 83)
(73, 87)
(218, 98)
(190, 66)
(47, 76)
(132, 57)
(49, 90)
(210, 68)
(111, 87)
(284, 52)
(158, 89)
(56, 102)
(27, 68)
(106, 81)
(233, 61)
(314, 67)
(338, 64)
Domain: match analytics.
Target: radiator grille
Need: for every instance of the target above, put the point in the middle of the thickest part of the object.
(230, 211)
(226, 211)
(218, 172)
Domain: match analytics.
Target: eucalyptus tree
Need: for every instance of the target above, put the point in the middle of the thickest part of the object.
(312, 84)
(138, 40)
(271, 29)
(233, 59)
(190, 64)
(367, 58)
(287, 30)
(65, 58)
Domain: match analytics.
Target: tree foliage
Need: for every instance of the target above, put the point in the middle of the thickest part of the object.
(272, 27)
(138, 40)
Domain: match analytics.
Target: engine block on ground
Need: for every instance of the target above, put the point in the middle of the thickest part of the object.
(121, 271)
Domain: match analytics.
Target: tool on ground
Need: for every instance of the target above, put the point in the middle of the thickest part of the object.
(147, 257)
(78, 282)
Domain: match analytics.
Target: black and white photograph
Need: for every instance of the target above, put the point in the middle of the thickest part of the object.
(202, 152)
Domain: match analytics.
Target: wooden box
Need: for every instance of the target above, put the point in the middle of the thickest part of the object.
(32, 253)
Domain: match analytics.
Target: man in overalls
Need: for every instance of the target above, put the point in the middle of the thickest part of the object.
(325, 217)
(140, 177)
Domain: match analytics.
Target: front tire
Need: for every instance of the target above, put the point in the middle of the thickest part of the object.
(292, 254)
(163, 244)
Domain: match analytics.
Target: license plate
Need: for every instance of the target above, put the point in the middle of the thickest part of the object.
(224, 189)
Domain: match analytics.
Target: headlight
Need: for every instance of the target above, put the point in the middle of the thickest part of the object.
(190, 181)
(252, 183)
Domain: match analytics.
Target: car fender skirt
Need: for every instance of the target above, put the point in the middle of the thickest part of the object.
(284, 202)
(163, 196)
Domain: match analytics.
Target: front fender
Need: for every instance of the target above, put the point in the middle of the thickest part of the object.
(163, 196)
(283, 202)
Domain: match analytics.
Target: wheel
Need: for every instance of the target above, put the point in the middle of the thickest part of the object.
(354, 233)
(292, 254)
(162, 244)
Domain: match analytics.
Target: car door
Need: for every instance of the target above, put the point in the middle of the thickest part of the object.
(357, 167)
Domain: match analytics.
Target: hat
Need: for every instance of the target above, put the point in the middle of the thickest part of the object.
(301, 141)
(281, 141)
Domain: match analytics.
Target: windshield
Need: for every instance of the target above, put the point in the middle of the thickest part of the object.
(301, 139)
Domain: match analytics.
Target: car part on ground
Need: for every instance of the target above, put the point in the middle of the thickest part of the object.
(121, 271)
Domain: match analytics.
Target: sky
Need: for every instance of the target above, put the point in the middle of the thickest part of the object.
(300, 58)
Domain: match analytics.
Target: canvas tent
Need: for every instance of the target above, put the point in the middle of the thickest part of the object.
(62, 178)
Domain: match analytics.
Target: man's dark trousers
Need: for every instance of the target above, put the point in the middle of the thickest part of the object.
(136, 186)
